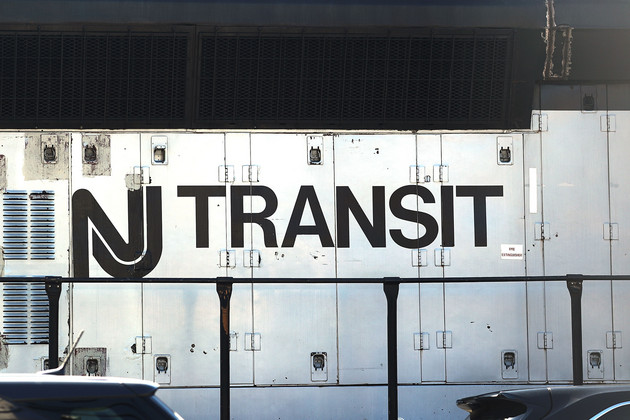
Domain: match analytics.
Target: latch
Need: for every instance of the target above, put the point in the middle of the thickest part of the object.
(159, 150)
(421, 341)
(89, 361)
(226, 173)
(444, 339)
(252, 342)
(595, 366)
(613, 339)
(545, 340)
(227, 258)
(505, 147)
(419, 258)
(319, 367)
(611, 231)
(542, 231)
(440, 173)
(49, 149)
(607, 123)
(143, 345)
(509, 367)
(315, 150)
(233, 341)
(251, 258)
(162, 369)
(442, 257)
(140, 176)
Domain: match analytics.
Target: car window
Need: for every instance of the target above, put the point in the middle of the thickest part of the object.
(615, 412)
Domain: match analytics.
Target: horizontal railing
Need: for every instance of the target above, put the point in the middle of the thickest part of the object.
(391, 285)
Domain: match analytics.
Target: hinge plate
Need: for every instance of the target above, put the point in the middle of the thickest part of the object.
(607, 123)
(252, 341)
(440, 173)
(419, 258)
(442, 257)
(226, 173)
(444, 339)
(227, 258)
(542, 231)
(613, 339)
(421, 341)
(545, 340)
(251, 258)
(417, 175)
(250, 173)
(144, 345)
(540, 122)
(611, 231)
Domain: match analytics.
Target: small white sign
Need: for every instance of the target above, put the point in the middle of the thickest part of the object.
(511, 252)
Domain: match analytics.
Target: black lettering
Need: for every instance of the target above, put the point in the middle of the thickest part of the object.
(85, 207)
(346, 203)
(479, 194)
(448, 216)
(307, 193)
(429, 223)
(201, 194)
(239, 218)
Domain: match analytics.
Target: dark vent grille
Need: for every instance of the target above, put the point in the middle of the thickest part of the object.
(25, 313)
(28, 225)
(350, 81)
(92, 80)
(246, 78)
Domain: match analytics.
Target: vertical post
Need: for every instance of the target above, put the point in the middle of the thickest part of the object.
(53, 290)
(575, 291)
(224, 289)
(390, 287)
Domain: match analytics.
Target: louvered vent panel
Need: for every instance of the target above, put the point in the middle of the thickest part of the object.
(28, 225)
(15, 225)
(25, 313)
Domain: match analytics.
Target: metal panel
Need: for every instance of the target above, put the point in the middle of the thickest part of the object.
(488, 227)
(195, 229)
(488, 204)
(558, 323)
(597, 294)
(574, 154)
(433, 362)
(536, 302)
(619, 149)
(486, 330)
(369, 168)
(621, 315)
(95, 306)
(293, 321)
(46, 251)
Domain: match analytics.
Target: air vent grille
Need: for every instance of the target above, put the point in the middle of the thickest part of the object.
(25, 313)
(28, 225)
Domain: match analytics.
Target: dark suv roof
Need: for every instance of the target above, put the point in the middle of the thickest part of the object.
(41, 396)
(28, 387)
(549, 403)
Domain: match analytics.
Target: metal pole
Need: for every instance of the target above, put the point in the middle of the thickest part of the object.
(391, 294)
(575, 291)
(53, 290)
(224, 289)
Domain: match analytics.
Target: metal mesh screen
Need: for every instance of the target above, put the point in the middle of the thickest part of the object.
(91, 80)
(355, 81)
(245, 78)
